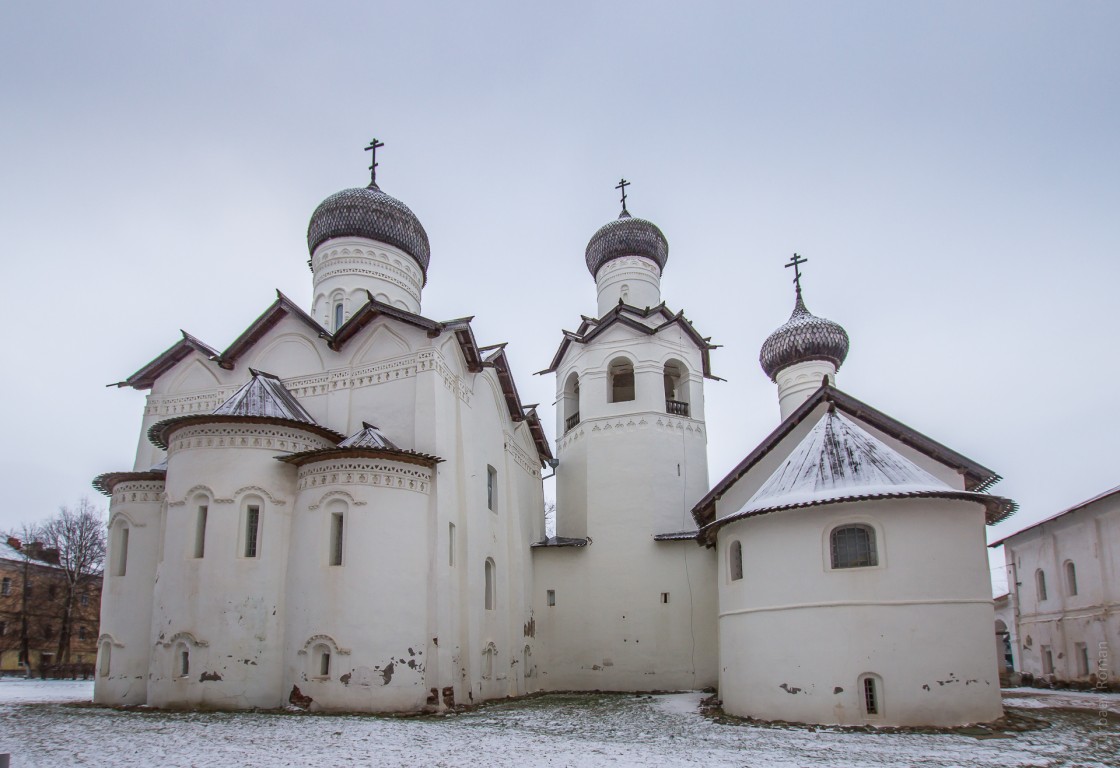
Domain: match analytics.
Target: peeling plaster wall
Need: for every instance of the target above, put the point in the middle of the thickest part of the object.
(796, 635)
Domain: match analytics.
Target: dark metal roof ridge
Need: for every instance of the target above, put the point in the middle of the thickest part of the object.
(998, 508)
(323, 454)
(105, 482)
(677, 536)
(559, 541)
(1063, 513)
(977, 477)
(265, 322)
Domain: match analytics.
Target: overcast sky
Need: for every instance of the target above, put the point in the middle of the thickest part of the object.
(950, 170)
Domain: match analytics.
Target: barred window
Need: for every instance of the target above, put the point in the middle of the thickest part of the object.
(853, 546)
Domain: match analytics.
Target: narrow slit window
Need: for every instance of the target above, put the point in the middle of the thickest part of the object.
(184, 662)
(336, 538)
(551, 597)
(1071, 578)
(664, 598)
(1040, 584)
(338, 313)
(252, 529)
(451, 545)
(490, 585)
(106, 657)
(200, 531)
(122, 551)
(325, 664)
(1081, 655)
(491, 489)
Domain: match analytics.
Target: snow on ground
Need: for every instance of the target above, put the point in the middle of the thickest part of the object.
(45, 724)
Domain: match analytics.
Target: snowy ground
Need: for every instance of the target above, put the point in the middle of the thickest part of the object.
(46, 724)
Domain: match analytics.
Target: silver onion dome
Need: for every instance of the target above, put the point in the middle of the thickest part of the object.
(370, 213)
(802, 338)
(626, 236)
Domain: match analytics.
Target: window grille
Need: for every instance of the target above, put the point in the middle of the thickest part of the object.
(252, 529)
(853, 546)
(870, 696)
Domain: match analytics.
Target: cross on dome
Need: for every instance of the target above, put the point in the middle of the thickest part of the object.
(796, 263)
(622, 185)
(374, 144)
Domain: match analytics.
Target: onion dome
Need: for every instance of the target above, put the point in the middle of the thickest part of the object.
(370, 213)
(802, 338)
(626, 236)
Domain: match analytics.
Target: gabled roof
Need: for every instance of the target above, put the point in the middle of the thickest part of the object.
(1063, 513)
(977, 477)
(838, 461)
(631, 317)
(169, 358)
(277, 311)
(367, 313)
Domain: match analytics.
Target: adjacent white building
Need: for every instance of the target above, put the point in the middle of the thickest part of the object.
(1064, 575)
(343, 509)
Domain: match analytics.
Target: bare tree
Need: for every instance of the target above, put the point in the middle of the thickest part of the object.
(26, 541)
(78, 535)
(549, 518)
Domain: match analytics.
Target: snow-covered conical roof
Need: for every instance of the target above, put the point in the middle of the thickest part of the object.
(264, 396)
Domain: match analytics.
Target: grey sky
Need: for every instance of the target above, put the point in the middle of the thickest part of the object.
(950, 171)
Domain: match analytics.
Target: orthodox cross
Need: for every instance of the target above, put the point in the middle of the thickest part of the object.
(796, 263)
(372, 149)
(623, 184)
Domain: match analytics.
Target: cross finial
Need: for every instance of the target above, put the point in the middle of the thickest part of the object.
(796, 263)
(623, 184)
(374, 144)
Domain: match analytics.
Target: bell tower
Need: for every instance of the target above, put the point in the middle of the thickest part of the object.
(632, 451)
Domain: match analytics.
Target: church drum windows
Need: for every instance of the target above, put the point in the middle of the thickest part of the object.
(853, 546)
(620, 381)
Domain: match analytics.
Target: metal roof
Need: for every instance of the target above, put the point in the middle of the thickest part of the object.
(1063, 513)
(368, 436)
(264, 396)
(626, 236)
(802, 338)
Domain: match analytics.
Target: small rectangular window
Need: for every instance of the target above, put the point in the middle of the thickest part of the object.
(336, 538)
(6, 587)
(491, 489)
(81, 633)
(664, 598)
(870, 696)
(252, 529)
(200, 531)
(84, 600)
(1081, 654)
(325, 664)
(552, 597)
(451, 545)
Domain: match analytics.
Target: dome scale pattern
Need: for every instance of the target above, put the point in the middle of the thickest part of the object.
(370, 213)
(626, 236)
(802, 338)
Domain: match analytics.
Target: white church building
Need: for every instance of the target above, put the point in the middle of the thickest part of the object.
(343, 510)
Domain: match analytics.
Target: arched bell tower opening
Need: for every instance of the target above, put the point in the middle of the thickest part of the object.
(620, 381)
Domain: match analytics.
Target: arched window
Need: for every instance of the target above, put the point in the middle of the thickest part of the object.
(491, 585)
(337, 517)
(676, 388)
(200, 528)
(1040, 584)
(853, 546)
(106, 658)
(735, 560)
(870, 687)
(571, 401)
(620, 380)
(338, 315)
(1071, 578)
(251, 527)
